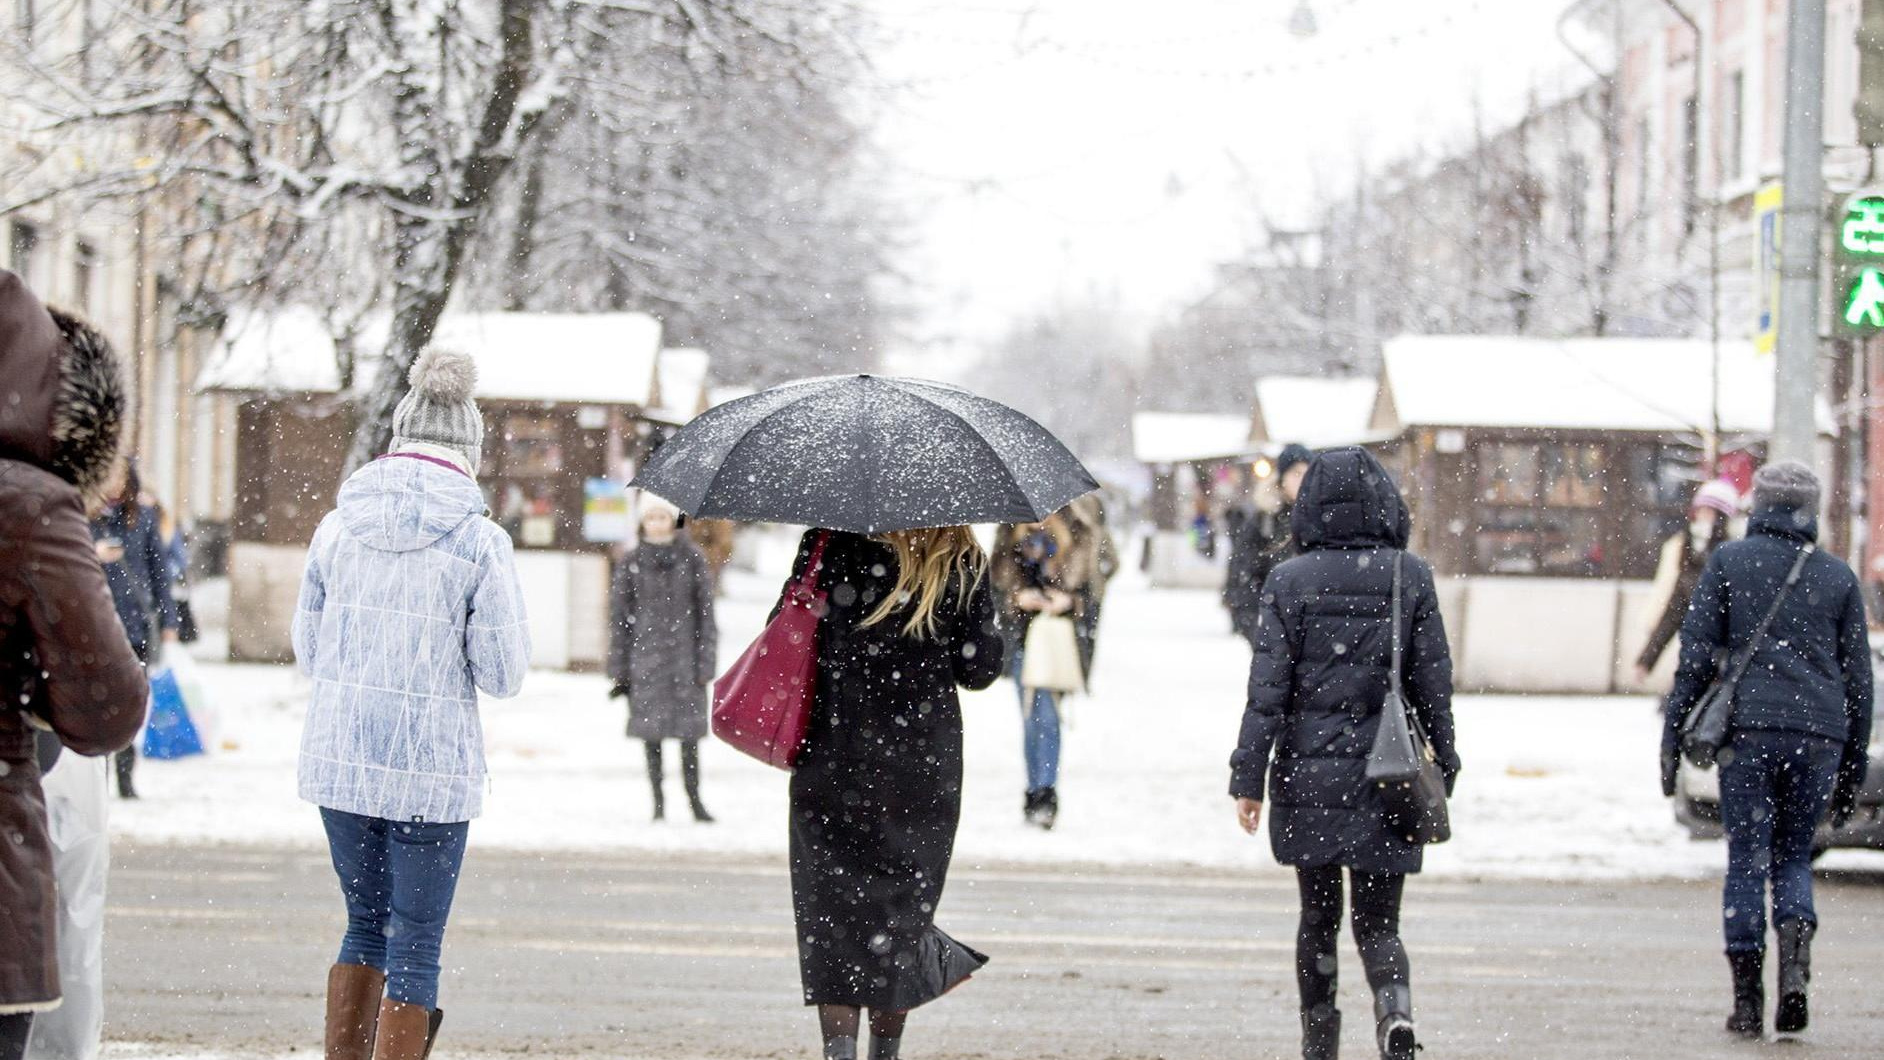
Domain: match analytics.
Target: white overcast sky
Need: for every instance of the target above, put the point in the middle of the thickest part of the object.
(1050, 150)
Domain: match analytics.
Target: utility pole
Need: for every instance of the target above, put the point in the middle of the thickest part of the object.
(1794, 428)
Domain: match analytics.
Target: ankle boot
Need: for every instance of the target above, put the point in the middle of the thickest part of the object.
(841, 1047)
(406, 1032)
(1321, 1033)
(1749, 1016)
(1049, 807)
(1030, 809)
(353, 996)
(1795, 975)
(885, 1048)
(1393, 1022)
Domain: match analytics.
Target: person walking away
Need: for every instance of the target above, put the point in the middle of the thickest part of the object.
(662, 647)
(409, 606)
(876, 797)
(1317, 683)
(1264, 540)
(65, 664)
(1683, 557)
(1800, 727)
(1036, 570)
(137, 567)
(1086, 521)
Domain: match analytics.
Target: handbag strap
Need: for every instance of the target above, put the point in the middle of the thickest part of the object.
(1766, 620)
(816, 564)
(1393, 677)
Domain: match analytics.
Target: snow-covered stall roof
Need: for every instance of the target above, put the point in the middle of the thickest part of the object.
(1607, 384)
(592, 358)
(1177, 437)
(1314, 410)
(681, 383)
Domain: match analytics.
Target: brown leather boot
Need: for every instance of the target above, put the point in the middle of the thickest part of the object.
(353, 996)
(406, 1032)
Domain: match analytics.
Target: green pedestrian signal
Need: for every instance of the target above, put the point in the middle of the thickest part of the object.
(1864, 299)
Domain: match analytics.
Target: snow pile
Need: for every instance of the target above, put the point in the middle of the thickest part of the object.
(1558, 788)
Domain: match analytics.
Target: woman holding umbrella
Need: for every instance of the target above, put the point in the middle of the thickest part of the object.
(877, 794)
(894, 471)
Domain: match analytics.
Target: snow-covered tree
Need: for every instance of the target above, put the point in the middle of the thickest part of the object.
(348, 152)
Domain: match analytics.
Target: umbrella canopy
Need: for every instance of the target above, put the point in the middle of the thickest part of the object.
(866, 454)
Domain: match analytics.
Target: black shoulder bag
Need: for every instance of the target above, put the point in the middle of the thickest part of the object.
(1705, 730)
(1402, 767)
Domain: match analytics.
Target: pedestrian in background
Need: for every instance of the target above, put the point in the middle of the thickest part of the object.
(177, 558)
(410, 606)
(1799, 730)
(65, 664)
(662, 647)
(1039, 569)
(137, 567)
(1086, 519)
(1317, 686)
(877, 794)
(1683, 557)
(1263, 539)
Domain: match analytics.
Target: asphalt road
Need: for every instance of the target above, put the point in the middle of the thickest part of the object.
(226, 949)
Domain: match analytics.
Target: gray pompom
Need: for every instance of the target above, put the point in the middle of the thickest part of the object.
(444, 375)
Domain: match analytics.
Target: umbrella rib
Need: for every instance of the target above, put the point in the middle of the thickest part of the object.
(974, 433)
(727, 460)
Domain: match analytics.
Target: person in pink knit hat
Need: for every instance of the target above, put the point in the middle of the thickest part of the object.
(1716, 504)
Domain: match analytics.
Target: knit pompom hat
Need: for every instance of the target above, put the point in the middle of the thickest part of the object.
(1719, 495)
(438, 410)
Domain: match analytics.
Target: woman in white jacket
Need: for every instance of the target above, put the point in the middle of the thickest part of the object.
(410, 606)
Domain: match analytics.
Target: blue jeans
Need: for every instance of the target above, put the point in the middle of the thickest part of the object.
(398, 878)
(1040, 732)
(1773, 790)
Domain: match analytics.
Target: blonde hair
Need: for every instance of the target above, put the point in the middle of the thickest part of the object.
(926, 561)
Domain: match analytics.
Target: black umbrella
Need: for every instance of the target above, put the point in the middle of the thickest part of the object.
(867, 454)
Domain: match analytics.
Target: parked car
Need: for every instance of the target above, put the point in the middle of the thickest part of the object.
(1697, 796)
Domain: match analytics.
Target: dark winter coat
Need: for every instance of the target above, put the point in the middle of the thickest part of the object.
(877, 794)
(1811, 673)
(663, 643)
(1259, 544)
(140, 581)
(1321, 671)
(64, 659)
(1690, 562)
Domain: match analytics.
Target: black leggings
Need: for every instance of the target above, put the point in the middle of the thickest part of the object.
(14, 1030)
(1376, 931)
(689, 765)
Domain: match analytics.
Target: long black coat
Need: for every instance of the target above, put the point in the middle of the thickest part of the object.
(877, 794)
(1323, 651)
(1811, 674)
(663, 643)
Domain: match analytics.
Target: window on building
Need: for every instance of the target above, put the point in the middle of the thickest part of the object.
(1545, 507)
(23, 251)
(1690, 164)
(1733, 126)
(84, 276)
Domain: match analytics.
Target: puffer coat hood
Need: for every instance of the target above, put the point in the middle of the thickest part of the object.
(403, 502)
(1348, 500)
(62, 394)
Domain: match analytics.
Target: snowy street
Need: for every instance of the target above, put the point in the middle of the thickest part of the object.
(218, 953)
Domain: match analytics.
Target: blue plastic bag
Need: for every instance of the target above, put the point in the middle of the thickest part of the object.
(169, 733)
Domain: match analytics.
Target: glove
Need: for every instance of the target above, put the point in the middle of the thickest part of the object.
(1671, 768)
(1452, 780)
(619, 690)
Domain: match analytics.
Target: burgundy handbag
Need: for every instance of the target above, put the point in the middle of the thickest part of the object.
(762, 705)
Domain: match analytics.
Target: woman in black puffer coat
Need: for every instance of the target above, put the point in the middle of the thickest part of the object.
(1323, 651)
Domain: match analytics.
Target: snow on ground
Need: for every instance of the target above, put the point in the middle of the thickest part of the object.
(1553, 787)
